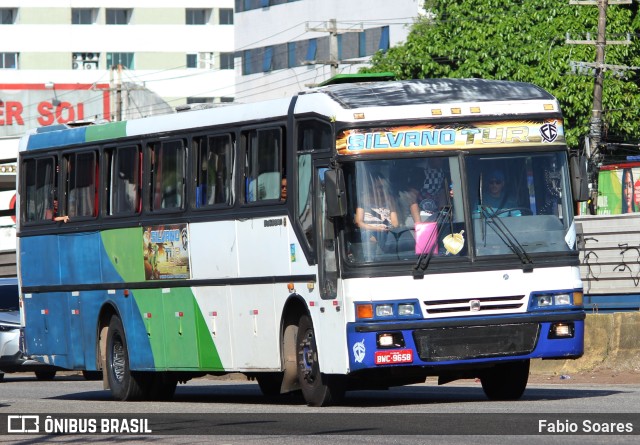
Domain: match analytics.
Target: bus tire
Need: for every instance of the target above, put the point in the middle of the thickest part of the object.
(505, 381)
(125, 385)
(317, 389)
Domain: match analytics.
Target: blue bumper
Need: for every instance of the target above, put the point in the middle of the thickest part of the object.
(464, 341)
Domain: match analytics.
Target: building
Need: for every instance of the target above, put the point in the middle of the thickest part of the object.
(285, 46)
(148, 55)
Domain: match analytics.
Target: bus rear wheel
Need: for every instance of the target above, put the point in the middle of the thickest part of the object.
(505, 381)
(318, 389)
(125, 385)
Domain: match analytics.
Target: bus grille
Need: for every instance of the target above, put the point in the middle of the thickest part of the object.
(471, 306)
(470, 342)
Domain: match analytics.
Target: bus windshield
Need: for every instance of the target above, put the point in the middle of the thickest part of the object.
(402, 209)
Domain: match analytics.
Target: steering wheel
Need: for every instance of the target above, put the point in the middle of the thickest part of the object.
(522, 210)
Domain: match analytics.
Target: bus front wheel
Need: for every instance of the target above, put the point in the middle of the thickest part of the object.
(505, 381)
(318, 389)
(125, 385)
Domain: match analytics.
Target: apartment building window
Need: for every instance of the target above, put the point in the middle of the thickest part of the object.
(123, 59)
(192, 61)
(8, 16)
(83, 16)
(9, 61)
(197, 16)
(226, 61)
(85, 61)
(248, 5)
(118, 16)
(226, 16)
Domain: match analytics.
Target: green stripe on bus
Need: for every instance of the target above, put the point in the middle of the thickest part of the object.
(106, 131)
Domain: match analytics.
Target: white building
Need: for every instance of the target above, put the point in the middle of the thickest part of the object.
(182, 52)
(284, 46)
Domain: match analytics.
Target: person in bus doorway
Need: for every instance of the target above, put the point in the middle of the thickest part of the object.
(375, 215)
(628, 193)
(495, 198)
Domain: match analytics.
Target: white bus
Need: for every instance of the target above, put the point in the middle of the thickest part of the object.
(359, 235)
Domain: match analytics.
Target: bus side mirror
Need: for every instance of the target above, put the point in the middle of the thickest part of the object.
(334, 193)
(579, 178)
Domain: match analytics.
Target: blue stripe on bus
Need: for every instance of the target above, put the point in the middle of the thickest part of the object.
(56, 138)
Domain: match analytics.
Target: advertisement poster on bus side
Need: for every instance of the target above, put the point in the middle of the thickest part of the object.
(619, 191)
(166, 252)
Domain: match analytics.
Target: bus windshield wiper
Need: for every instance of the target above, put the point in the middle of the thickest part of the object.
(425, 256)
(500, 228)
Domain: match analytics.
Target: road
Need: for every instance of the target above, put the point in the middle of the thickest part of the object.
(235, 412)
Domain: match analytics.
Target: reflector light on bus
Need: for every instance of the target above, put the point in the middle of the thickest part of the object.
(548, 107)
(179, 314)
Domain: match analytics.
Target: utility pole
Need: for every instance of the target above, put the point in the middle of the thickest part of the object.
(333, 30)
(595, 126)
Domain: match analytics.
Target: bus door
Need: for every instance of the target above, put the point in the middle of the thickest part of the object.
(326, 242)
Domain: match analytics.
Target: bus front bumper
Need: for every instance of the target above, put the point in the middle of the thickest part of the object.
(465, 340)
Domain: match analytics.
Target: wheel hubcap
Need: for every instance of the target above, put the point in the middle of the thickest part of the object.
(308, 358)
(118, 360)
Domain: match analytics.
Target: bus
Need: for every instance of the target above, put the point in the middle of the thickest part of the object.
(341, 239)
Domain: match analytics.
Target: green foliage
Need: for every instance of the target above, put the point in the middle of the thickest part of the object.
(525, 41)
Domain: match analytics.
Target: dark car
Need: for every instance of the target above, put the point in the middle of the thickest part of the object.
(12, 359)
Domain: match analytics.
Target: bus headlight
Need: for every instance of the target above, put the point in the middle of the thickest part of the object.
(548, 300)
(544, 300)
(406, 309)
(384, 310)
(562, 299)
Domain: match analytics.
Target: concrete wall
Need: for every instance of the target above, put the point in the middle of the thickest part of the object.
(611, 341)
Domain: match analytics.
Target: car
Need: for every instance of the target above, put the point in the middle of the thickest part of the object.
(12, 359)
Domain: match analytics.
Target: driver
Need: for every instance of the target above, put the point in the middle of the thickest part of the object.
(495, 198)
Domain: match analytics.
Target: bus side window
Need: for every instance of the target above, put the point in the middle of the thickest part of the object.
(80, 184)
(40, 189)
(123, 196)
(264, 164)
(214, 170)
(167, 175)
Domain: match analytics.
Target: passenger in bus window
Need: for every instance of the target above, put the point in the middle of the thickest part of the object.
(283, 189)
(410, 196)
(496, 196)
(628, 194)
(375, 215)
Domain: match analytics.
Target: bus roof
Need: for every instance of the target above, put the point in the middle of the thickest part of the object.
(335, 100)
(432, 91)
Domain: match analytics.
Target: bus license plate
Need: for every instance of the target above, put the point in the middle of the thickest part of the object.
(394, 357)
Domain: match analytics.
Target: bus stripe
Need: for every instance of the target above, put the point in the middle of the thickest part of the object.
(56, 138)
(106, 131)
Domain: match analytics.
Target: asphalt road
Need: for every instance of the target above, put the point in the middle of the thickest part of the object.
(235, 412)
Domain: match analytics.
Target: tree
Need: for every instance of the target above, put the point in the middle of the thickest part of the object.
(525, 41)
